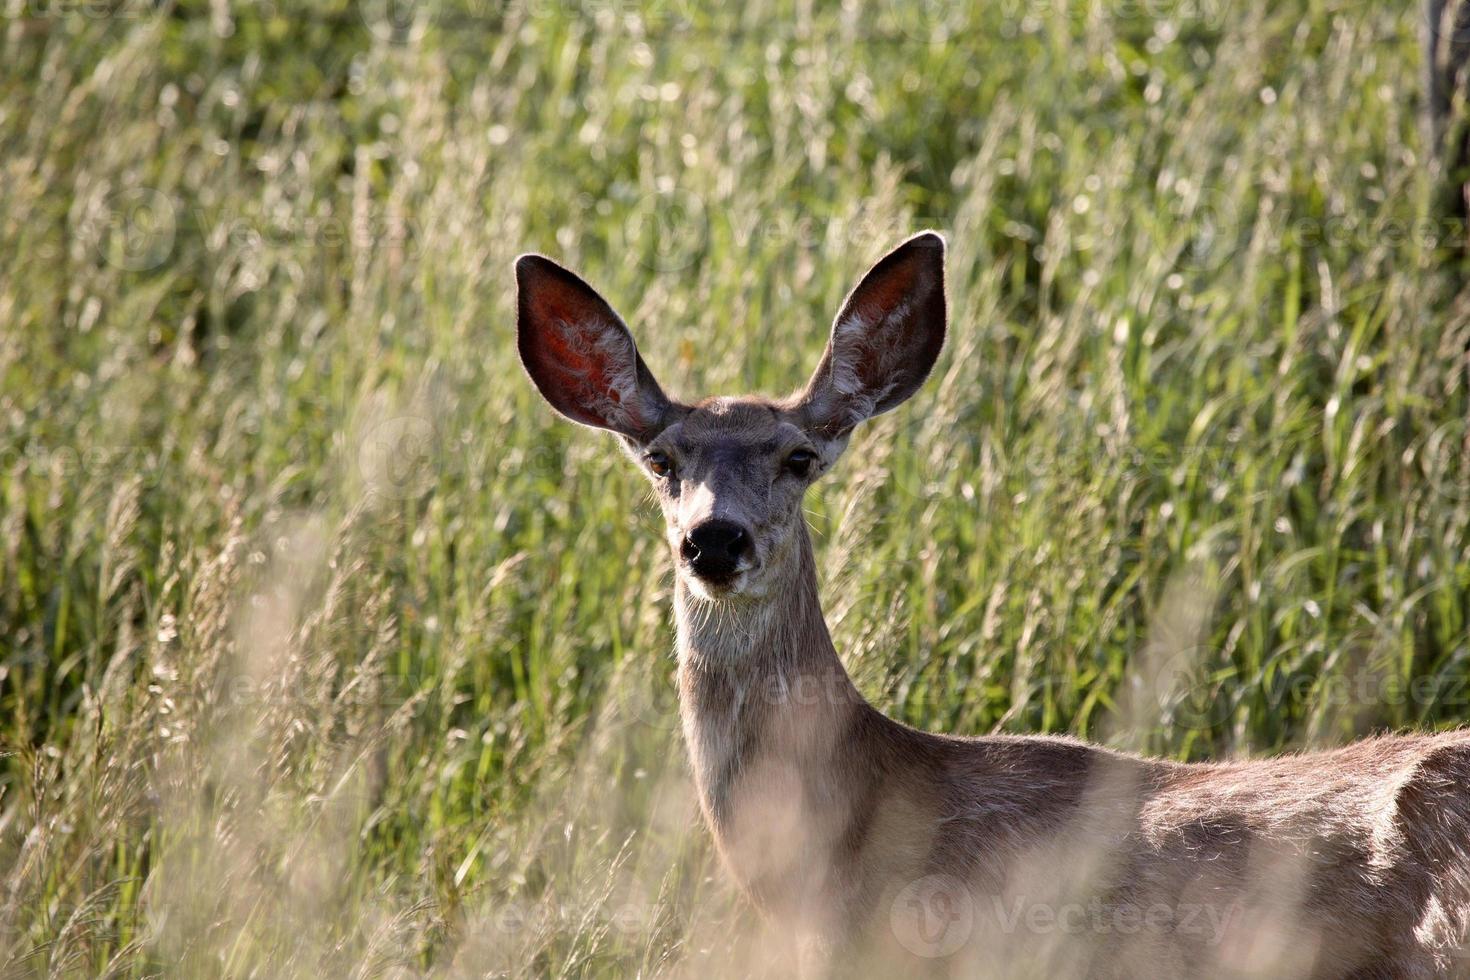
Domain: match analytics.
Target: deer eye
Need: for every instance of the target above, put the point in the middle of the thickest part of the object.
(800, 462)
(659, 464)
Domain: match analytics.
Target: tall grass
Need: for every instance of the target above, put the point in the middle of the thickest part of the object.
(325, 650)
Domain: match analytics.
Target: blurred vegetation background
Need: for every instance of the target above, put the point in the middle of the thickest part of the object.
(326, 650)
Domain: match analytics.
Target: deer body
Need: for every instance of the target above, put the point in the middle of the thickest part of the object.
(995, 856)
(822, 809)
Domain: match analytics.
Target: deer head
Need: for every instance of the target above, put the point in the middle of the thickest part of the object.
(730, 473)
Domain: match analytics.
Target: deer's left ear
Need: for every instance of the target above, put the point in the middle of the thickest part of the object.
(884, 342)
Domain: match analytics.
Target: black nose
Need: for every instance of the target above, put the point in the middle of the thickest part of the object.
(714, 548)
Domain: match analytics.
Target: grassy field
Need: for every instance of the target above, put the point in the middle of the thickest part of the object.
(327, 651)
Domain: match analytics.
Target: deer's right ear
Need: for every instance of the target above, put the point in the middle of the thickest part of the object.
(580, 355)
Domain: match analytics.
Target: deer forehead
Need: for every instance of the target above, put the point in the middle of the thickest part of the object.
(731, 430)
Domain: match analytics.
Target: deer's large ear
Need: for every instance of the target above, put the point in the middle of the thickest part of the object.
(580, 355)
(884, 342)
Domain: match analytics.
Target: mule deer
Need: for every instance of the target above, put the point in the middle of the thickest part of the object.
(1000, 855)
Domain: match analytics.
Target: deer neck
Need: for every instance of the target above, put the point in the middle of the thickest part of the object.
(770, 718)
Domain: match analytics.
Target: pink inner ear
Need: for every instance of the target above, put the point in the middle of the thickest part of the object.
(571, 346)
(884, 295)
(876, 300)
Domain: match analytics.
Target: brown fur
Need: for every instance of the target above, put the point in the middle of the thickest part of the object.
(998, 856)
(823, 808)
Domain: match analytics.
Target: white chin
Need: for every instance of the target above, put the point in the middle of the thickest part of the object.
(709, 591)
